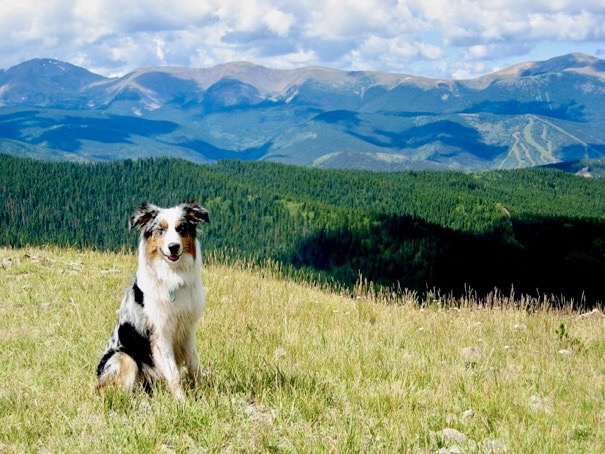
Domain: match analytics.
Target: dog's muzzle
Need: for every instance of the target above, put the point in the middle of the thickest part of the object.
(174, 252)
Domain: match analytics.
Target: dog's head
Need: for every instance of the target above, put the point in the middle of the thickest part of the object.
(169, 232)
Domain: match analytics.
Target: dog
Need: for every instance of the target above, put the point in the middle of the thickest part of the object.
(155, 333)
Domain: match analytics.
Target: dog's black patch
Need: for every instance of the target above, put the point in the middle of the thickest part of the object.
(143, 216)
(194, 212)
(135, 344)
(187, 227)
(138, 295)
(103, 361)
(149, 228)
(131, 342)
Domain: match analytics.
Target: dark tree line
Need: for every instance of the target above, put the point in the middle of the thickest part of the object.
(534, 230)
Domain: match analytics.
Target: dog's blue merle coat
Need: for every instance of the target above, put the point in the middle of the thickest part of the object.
(154, 337)
(129, 336)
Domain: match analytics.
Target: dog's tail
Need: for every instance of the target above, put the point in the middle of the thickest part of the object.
(120, 371)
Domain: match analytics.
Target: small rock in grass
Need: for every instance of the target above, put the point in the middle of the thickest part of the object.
(279, 353)
(471, 355)
(493, 446)
(449, 435)
(543, 404)
(145, 407)
(592, 313)
(258, 413)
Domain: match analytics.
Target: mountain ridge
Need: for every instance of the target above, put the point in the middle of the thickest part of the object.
(533, 113)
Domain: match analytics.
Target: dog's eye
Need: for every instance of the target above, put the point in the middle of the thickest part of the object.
(160, 232)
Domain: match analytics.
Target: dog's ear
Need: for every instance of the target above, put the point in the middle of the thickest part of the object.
(143, 216)
(195, 213)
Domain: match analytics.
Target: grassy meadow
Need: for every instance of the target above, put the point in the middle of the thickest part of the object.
(292, 367)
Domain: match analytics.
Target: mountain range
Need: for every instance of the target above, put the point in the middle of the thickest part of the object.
(534, 113)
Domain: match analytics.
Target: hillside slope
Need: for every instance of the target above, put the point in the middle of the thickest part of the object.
(293, 367)
(539, 231)
(535, 113)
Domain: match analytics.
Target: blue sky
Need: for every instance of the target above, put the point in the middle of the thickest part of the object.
(432, 38)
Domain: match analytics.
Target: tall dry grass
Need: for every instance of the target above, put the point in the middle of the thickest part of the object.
(293, 367)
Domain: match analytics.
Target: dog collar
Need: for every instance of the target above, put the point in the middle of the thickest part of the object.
(172, 295)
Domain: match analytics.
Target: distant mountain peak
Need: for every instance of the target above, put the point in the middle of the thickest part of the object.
(48, 65)
(575, 62)
(529, 114)
(37, 70)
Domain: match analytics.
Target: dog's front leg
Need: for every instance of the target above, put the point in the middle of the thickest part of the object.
(192, 360)
(163, 357)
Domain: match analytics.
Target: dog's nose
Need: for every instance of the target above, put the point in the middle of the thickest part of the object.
(174, 248)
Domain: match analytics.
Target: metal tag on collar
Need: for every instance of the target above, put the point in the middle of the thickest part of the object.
(172, 295)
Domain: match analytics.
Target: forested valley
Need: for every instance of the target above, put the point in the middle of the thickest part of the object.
(532, 231)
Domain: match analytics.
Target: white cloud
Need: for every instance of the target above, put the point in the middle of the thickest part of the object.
(159, 48)
(279, 22)
(438, 38)
(337, 19)
(475, 22)
(577, 27)
(396, 52)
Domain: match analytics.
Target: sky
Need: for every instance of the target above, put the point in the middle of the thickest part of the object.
(440, 39)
